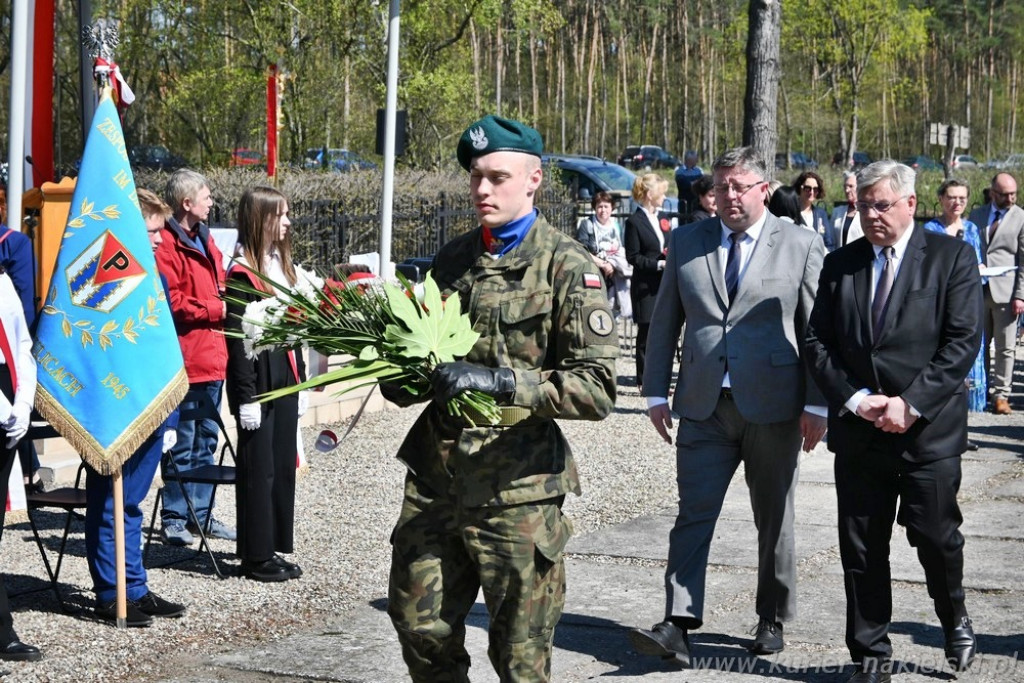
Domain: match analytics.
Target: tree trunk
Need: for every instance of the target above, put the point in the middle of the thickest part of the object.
(534, 89)
(760, 104)
(969, 72)
(647, 85)
(991, 80)
(474, 44)
(591, 78)
(499, 64)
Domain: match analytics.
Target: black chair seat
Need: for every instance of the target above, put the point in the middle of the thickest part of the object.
(205, 474)
(63, 498)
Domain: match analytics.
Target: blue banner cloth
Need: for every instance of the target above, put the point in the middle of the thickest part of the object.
(109, 364)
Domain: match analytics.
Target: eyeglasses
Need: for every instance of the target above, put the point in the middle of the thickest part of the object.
(814, 189)
(1012, 193)
(740, 190)
(956, 200)
(879, 207)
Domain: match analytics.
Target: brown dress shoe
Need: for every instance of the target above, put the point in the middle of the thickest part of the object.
(1002, 406)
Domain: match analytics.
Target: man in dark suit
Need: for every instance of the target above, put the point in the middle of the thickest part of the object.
(1001, 224)
(744, 285)
(893, 334)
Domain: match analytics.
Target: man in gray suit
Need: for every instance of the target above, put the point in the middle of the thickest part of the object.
(1001, 225)
(744, 285)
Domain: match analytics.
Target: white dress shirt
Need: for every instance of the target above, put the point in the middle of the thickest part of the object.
(12, 317)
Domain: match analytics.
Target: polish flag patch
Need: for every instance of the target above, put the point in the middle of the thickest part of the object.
(591, 281)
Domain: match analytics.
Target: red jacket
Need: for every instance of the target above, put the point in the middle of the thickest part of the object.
(196, 283)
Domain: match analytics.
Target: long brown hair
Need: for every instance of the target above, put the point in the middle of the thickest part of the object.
(259, 211)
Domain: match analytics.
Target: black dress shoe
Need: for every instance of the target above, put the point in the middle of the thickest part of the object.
(267, 571)
(294, 570)
(665, 640)
(17, 651)
(767, 638)
(870, 677)
(971, 446)
(155, 606)
(961, 645)
(134, 617)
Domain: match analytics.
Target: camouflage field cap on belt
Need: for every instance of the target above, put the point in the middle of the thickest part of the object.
(495, 134)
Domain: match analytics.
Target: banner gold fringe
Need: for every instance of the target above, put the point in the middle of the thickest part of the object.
(109, 460)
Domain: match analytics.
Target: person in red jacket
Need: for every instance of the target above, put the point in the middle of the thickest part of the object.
(194, 269)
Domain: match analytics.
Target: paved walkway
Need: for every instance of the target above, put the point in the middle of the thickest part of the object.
(616, 582)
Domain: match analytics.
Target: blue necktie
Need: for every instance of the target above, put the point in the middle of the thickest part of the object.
(732, 266)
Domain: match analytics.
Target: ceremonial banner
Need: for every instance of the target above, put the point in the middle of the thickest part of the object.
(109, 364)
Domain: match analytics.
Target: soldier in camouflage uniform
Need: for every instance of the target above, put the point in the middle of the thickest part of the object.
(482, 505)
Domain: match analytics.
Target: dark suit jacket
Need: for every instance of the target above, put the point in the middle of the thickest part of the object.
(930, 338)
(643, 252)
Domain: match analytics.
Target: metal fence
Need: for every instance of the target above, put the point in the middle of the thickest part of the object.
(326, 232)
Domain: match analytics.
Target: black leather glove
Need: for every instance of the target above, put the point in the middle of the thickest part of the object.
(397, 394)
(449, 379)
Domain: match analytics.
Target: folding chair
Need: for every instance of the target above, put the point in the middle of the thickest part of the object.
(216, 475)
(68, 499)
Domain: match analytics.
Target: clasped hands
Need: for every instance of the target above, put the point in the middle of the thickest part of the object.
(888, 413)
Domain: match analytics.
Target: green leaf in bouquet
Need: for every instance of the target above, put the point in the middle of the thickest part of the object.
(360, 373)
(438, 330)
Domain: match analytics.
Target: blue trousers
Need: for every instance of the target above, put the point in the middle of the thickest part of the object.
(196, 446)
(137, 475)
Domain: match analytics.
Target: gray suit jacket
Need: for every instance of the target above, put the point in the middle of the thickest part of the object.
(760, 334)
(1006, 249)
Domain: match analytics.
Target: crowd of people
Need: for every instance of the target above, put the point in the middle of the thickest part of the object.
(197, 288)
(873, 336)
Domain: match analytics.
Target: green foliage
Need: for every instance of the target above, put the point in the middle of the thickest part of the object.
(199, 71)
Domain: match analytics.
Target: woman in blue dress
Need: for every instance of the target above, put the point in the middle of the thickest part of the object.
(953, 196)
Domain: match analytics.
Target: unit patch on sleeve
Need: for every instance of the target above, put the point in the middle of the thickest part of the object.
(591, 281)
(600, 322)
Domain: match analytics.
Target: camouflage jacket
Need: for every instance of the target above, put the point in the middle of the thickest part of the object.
(538, 314)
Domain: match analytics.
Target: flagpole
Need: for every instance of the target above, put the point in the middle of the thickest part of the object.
(122, 591)
(104, 39)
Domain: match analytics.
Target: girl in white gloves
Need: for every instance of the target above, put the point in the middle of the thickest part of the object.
(17, 393)
(267, 453)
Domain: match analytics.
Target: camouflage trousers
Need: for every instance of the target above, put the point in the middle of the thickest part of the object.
(444, 554)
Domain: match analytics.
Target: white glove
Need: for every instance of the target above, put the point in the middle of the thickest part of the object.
(18, 424)
(170, 439)
(250, 415)
(303, 402)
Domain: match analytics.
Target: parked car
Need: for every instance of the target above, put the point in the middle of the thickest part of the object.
(964, 161)
(154, 157)
(340, 160)
(586, 176)
(647, 157)
(922, 163)
(626, 158)
(241, 156)
(797, 160)
(1007, 162)
(860, 160)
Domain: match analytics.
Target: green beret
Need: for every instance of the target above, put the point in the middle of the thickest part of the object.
(495, 134)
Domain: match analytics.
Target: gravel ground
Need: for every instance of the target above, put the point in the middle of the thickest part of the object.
(347, 503)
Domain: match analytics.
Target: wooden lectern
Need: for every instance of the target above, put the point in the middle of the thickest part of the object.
(53, 201)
